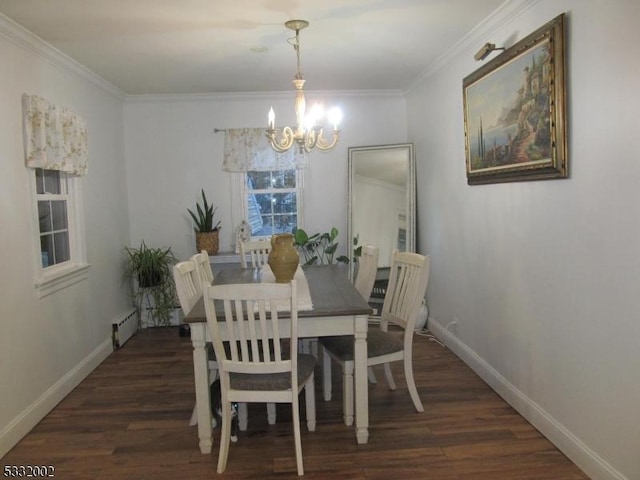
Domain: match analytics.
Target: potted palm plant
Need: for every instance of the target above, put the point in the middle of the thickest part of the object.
(150, 270)
(206, 230)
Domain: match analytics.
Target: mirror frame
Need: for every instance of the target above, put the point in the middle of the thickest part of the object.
(410, 197)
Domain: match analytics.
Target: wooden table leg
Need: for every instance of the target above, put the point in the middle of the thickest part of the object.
(360, 379)
(201, 378)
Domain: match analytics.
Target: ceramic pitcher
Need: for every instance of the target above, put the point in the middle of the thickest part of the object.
(283, 257)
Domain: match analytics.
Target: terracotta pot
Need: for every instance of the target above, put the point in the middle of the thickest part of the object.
(283, 257)
(207, 241)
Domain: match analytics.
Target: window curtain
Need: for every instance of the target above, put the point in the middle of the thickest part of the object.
(54, 137)
(248, 149)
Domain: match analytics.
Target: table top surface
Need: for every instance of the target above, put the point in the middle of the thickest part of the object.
(332, 293)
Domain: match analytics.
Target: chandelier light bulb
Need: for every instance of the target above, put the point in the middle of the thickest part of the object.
(272, 118)
(335, 117)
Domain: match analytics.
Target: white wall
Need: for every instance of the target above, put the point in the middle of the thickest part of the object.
(47, 345)
(172, 152)
(543, 276)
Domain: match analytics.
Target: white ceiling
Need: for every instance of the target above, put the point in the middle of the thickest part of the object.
(210, 46)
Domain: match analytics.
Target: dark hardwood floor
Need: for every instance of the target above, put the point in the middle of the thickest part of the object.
(129, 420)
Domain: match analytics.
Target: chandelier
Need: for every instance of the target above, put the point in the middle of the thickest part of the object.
(307, 135)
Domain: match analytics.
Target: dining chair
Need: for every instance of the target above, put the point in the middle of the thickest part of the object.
(204, 267)
(189, 286)
(256, 367)
(189, 289)
(365, 277)
(408, 279)
(258, 251)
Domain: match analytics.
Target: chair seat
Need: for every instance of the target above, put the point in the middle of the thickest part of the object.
(278, 381)
(378, 343)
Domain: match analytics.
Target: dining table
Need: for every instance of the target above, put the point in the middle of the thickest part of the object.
(335, 308)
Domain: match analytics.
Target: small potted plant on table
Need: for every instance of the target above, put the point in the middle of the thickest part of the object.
(206, 230)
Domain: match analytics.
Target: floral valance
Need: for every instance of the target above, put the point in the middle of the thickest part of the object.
(54, 137)
(248, 149)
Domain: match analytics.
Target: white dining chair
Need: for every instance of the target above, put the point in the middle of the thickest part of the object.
(364, 280)
(258, 251)
(189, 284)
(256, 368)
(204, 267)
(189, 289)
(408, 280)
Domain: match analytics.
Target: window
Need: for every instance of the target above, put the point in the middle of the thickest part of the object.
(272, 201)
(53, 199)
(60, 246)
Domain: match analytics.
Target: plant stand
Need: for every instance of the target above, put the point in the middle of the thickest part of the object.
(147, 316)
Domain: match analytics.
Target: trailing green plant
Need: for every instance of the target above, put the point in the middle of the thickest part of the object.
(319, 248)
(203, 220)
(150, 270)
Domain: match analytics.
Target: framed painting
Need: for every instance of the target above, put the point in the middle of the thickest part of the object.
(514, 111)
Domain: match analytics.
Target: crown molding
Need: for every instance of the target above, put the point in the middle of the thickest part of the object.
(30, 42)
(257, 96)
(501, 16)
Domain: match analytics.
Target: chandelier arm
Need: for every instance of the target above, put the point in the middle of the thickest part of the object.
(323, 144)
(284, 143)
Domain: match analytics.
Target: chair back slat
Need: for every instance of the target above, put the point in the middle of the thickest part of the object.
(258, 251)
(252, 322)
(204, 267)
(188, 285)
(408, 279)
(367, 269)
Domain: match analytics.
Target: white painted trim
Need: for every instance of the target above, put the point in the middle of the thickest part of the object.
(481, 33)
(568, 443)
(30, 416)
(254, 96)
(63, 278)
(22, 37)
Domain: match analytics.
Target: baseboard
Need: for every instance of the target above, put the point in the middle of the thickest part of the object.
(29, 417)
(579, 453)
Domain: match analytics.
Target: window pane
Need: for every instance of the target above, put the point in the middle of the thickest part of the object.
(289, 179)
(61, 244)
(59, 213)
(51, 181)
(264, 201)
(259, 180)
(284, 203)
(39, 180)
(284, 179)
(267, 223)
(44, 215)
(46, 248)
(285, 223)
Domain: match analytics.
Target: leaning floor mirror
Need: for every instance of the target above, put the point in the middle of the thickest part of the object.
(381, 202)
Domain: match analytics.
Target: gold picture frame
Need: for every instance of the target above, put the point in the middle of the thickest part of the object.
(514, 111)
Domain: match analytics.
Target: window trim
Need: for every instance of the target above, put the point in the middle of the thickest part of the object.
(57, 277)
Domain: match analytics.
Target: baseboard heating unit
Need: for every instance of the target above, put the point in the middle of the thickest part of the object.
(124, 329)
